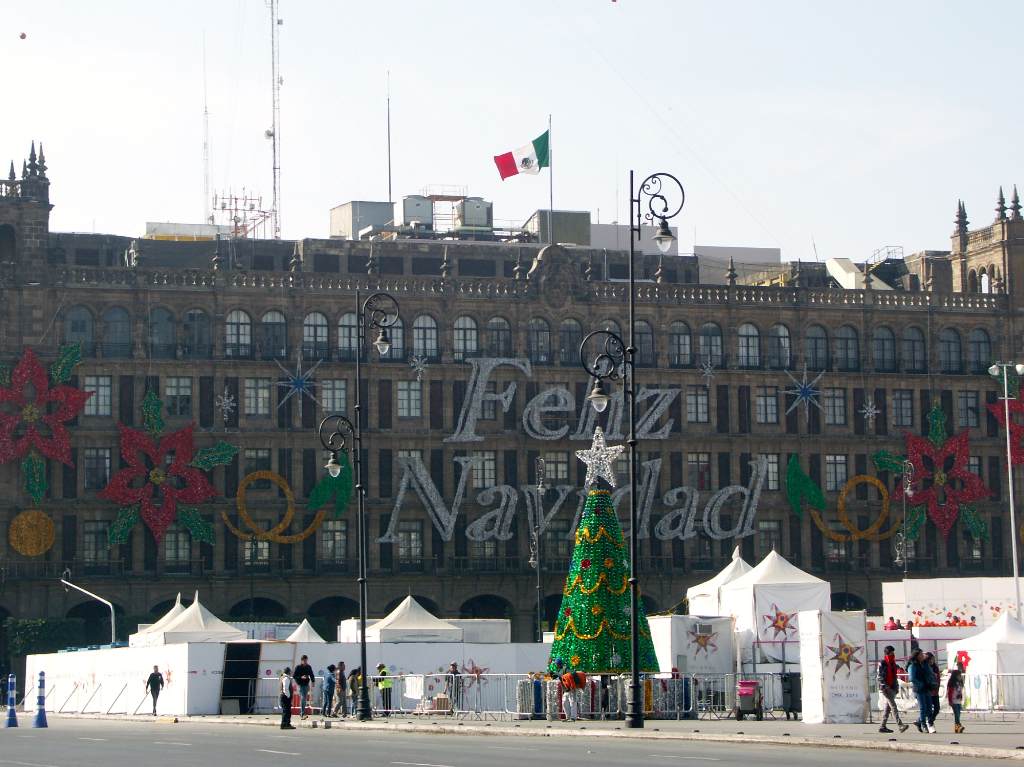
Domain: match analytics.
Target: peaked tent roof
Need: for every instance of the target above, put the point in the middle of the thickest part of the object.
(168, 617)
(736, 568)
(197, 618)
(772, 569)
(410, 614)
(305, 633)
(1006, 630)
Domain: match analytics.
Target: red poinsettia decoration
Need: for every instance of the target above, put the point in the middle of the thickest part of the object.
(942, 481)
(158, 477)
(38, 413)
(998, 410)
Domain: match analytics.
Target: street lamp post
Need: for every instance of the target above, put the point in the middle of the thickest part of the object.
(664, 197)
(995, 370)
(380, 310)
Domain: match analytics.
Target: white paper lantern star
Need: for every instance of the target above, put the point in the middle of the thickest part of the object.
(600, 459)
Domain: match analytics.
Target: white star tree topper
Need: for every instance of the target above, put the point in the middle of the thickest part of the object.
(600, 459)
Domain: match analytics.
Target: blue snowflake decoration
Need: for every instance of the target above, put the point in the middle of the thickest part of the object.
(804, 392)
(299, 384)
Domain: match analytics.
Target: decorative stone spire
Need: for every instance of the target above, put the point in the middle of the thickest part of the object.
(446, 265)
(295, 264)
(798, 277)
(371, 263)
(517, 270)
(217, 261)
(1001, 206)
(1015, 205)
(868, 279)
(961, 218)
(659, 273)
(33, 166)
(42, 162)
(24, 170)
(730, 273)
(11, 176)
(588, 269)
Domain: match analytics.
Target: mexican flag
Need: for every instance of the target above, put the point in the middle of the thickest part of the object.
(529, 158)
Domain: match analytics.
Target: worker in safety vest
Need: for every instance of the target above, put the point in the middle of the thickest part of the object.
(384, 685)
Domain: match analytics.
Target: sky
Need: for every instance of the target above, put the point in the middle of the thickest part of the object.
(830, 127)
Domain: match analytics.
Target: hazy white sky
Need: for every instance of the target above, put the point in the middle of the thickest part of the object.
(855, 124)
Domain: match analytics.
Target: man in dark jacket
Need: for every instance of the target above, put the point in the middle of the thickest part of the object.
(304, 678)
(154, 684)
(921, 680)
(933, 688)
(888, 685)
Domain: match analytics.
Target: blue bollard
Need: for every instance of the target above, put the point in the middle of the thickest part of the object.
(12, 702)
(40, 720)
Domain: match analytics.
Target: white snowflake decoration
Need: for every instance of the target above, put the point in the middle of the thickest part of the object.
(418, 365)
(226, 404)
(707, 371)
(805, 392)
(869, 411)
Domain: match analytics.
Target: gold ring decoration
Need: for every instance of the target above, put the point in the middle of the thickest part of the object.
(31, 533)
(274, 533)
(871, 532)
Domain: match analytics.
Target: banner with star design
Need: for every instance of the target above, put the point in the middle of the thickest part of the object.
(834, 667)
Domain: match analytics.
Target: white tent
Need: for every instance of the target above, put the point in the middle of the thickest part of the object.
(194, 624)
(177, 609)
(999, 649)
(703, 598)
(765, 602)
(409, 622)
(305, 633)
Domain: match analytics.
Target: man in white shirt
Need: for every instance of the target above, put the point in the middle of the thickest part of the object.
(287, 690)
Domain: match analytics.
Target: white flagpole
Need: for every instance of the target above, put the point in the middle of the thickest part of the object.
(551, 190)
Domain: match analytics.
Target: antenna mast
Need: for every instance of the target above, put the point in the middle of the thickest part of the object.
(274, 130)
(389, 135)
(207, 212)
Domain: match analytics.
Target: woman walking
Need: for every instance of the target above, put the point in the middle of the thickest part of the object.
(955, 695)
(920, 673)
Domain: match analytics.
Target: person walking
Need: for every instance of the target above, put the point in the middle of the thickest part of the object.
(935, 681)
(354, 681)
(919, 674)
(384, 685)
(955, 695)
(888, 685)
(327, 704)
(340, 690)
(304, 678)
(287, 690)
(154, 684)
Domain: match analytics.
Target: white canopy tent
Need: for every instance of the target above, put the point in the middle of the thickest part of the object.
(765, 602)
(997, 650)
(704, 598)
(176, 609)
(193, 624)
(305, 633)
(409, 622)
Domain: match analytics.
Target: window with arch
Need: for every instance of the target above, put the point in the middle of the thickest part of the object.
(396, 333)
(914, 353)
(314, 337)
(198, 341)
(238, 334)
(780, 355)
(680, 351)
(78, 329)
(847, 349)
(643, 335)
(499, 337)
(816, 348)
(117, 332)
(749, 346)
(348, 337)
(465, 341)
(985, 281)
(424, 337)
(162, 344)
(979, 350)
(538, 341)
(570, 336)
(883, 341)
(950, 352)
(710, 344)
(972, 281)
(273, 341)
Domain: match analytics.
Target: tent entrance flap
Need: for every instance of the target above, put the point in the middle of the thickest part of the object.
(241, 670)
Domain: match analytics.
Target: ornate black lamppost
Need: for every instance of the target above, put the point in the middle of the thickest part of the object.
(663, 196)
(380, 310)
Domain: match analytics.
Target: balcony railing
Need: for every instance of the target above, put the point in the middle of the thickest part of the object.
(162, 351)
(197, 351)
(116, 349)
(238, 351)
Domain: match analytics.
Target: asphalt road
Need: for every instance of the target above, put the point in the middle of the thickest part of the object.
(98, 743)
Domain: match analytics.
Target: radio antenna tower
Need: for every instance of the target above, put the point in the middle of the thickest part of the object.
(207, 211)
(273, 132)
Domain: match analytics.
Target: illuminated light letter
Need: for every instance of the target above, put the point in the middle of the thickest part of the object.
(476, 394)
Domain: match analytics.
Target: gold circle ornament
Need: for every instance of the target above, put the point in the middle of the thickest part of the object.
(273, 534)
(31, 533)
(871, 532)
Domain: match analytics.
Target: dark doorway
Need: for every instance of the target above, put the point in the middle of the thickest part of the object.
(241, 670)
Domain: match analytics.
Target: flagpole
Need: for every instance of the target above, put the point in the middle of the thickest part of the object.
(551, 190)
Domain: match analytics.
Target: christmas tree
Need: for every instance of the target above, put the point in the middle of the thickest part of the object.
(592, 628)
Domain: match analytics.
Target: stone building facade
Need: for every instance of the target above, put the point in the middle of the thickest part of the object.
(198, 322)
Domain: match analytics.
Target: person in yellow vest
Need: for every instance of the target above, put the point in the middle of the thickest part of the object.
(384, 685)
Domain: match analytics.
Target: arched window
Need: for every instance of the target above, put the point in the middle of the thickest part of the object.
(972, 281)
(273, 335)
(915, 357)
(644, 338)
(465, 340)
(238, 335)
(950, 356)
(424, 337)
(847, 349)
(499, 337)
(397, 335)
(985, 281)
(749, 346)
(348, 337)
(162, 344)
(680, 351)
(979, 350)
(884, 342)
(570, 335)
(314, 337)
(197, 343)
(816, 348)
(538, 341)
(710, 344)
(78, 328)
(117, 332)
(780, 356)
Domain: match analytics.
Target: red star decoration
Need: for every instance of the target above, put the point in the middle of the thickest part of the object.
(166, 477)
(50, 407)
(942, 496)
(1016, 429)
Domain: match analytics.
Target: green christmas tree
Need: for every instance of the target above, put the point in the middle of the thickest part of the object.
(592, 628)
